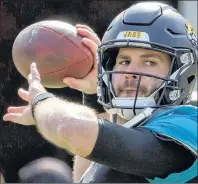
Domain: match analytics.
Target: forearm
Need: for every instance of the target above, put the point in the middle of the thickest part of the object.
(81, 164)
(138, 151)
(68, 125)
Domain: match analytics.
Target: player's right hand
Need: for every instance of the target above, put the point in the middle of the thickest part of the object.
(89, 83)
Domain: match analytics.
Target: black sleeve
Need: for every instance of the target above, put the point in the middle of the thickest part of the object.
(91, 101)
(138, 151)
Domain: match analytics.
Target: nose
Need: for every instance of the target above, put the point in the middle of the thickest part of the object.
(130, 76)
(131, 69)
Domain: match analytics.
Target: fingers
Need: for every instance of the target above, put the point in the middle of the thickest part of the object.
(89, 52)
(13, 117)
(20, 115)
(16, 109)
(23, 94)
(34, 74)
(35, 86)
(92, 46)
(88, 34)
(84, 27)
(90, 40)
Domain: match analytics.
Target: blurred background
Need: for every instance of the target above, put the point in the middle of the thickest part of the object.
(18, 144)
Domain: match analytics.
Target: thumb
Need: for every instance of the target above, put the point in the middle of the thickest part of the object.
(23, 94)
(78, 84)
(71, 82)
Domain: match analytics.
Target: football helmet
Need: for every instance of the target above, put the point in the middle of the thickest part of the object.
(154, 26)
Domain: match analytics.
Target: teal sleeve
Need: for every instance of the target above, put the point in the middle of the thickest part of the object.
(179, 124)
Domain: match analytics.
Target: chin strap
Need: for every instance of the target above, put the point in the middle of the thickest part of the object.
(147, 112)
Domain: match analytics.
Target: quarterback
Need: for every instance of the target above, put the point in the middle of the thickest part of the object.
(144, 74)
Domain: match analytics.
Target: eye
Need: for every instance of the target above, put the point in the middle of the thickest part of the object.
(124, 62)
(150, 63)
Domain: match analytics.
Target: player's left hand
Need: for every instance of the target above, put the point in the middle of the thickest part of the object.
(23, 114)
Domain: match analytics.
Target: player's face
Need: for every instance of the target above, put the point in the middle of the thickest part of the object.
(139, 60)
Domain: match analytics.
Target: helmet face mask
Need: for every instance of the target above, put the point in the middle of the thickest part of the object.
(174, 89)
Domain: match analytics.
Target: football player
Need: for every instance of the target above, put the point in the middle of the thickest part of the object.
(144, 73)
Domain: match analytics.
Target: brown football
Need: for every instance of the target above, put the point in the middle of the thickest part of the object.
(57, 50)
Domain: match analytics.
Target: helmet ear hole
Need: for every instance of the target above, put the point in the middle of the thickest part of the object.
(172, 32)
(191, 79)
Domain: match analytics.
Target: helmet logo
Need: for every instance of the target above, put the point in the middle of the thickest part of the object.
(191, 33)
(133, 35)
(185, 58)
(174, 95)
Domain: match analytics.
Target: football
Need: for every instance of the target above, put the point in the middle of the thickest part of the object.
(57, 50)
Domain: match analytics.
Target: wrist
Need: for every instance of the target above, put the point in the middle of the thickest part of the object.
(39, 98)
